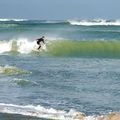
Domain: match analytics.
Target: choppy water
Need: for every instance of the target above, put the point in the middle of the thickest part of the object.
(76, 71)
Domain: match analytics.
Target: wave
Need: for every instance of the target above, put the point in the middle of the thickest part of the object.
(12, 19)
(22, 46)
(53, 114)
(10, 70)
(63, 48)
(99, 49)
(98, 22)
(8, 25)
(22, 82)
(53, 21)
(40, 112)
(92, 22)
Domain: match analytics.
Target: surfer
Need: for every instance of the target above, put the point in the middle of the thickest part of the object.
(39, 40)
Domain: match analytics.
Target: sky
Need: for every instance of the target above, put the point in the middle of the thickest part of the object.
(60, 9)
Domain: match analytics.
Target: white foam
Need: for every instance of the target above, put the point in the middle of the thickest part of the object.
(25, 46)
(12, 19)
(5, 46)
(21, 45)
(94, 22)
(40, 111)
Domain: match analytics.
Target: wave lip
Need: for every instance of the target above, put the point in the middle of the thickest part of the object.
(95, 22)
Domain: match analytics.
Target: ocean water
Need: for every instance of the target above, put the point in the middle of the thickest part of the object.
(75, 74)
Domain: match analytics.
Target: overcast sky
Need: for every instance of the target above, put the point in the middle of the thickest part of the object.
(60, 9)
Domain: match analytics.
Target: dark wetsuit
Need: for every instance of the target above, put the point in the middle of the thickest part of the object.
(38, 42)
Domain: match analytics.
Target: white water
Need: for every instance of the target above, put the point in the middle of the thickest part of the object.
(94, 22)
(42, 112)
(11, 19)
(21, 45)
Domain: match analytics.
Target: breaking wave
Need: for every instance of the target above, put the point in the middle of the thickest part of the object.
(40, 112)
(95, 22)
(51, 113)
(12, 19)
(10, 70)
(83, 22)
(63, 48)
(22, 46)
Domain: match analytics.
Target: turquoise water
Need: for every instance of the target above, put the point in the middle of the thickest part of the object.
(77, 71)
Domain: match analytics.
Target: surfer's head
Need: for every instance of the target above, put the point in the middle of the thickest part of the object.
(43, 36)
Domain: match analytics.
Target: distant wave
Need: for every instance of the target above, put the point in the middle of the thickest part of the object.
(95, 22)
(23, 82)
(8, 25)
(92, 22)
(51, 113)
(5, 19)
(54, 21)
(27, 21)
(63, 48)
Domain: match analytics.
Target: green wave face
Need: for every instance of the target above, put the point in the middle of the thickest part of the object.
(106, 49)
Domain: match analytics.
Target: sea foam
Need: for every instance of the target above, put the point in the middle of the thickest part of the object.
(40, 112)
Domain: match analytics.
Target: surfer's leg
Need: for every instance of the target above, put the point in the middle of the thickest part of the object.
(39, 47)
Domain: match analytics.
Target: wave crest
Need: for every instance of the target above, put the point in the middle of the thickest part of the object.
(12, 19)
(95, 22)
